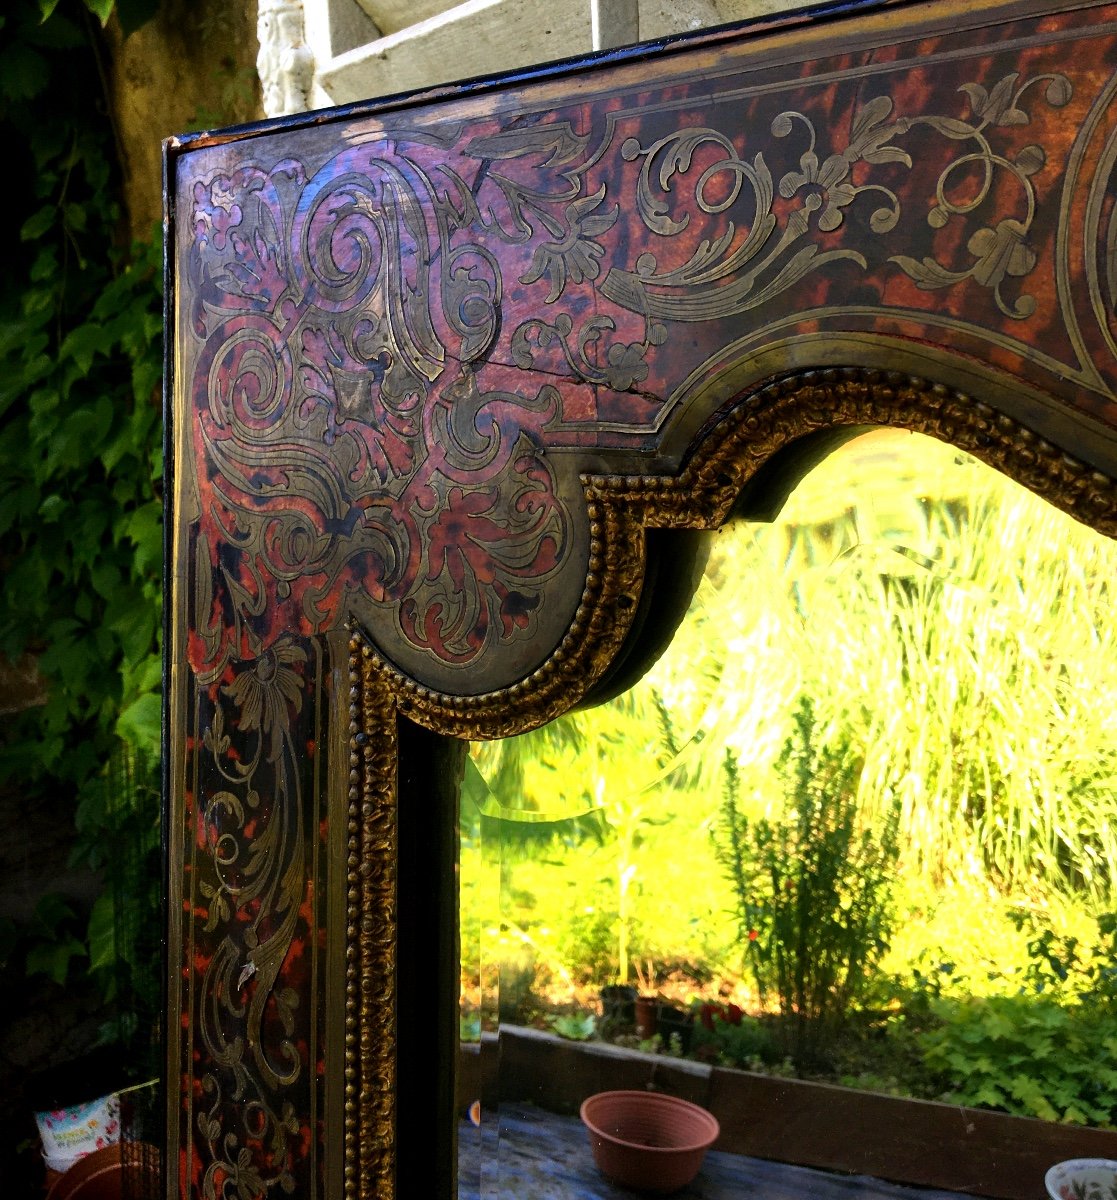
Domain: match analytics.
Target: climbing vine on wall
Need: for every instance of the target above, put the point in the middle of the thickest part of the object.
(80, 432)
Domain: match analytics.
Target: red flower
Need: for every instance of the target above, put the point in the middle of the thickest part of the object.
(753, 935)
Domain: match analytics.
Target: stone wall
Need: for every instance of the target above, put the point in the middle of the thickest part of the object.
(192, 67)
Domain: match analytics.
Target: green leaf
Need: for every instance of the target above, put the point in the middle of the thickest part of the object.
(53, 958)
(38, 224)
(101, 934)
(107, 578)
(91, 812)
(43, 270)
(24, 73)
(81, 344)
(75, 218)
(53, 508)
(578, 1027)
(101, 9)
(141, 721)
(51, 913)
(986, 1095)
(144, 529)
(149, 676)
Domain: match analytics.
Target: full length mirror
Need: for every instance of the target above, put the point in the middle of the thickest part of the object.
(456, 382)
(855, 829)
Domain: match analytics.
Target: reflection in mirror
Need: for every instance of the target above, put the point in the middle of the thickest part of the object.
(856, 827)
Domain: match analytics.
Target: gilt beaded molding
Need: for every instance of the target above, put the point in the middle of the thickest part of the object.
(370, 933)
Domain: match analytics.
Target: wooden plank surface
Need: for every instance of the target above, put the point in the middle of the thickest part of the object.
(526, 1153)
(911, 1143)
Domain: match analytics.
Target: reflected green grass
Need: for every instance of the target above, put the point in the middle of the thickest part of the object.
(960, 630)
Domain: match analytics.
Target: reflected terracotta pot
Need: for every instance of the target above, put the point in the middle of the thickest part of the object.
(645, 1015)
(104, 1174)
(648, 1141)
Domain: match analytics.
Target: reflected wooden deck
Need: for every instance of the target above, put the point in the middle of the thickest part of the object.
(835, 1131)
(522, 1152)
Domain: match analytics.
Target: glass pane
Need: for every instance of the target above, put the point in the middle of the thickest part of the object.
(855, 827)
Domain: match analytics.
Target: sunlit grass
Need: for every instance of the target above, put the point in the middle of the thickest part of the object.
(958, 626)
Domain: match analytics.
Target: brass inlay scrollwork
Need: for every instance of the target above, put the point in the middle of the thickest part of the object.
(253, 831)
(1001, 251)
(343, 479)
(732, 274)
(369, 450)
(1111, 262)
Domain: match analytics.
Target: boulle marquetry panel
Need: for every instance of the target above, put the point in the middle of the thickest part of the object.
(450, 374)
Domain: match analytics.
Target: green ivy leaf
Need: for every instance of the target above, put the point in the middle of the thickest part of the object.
(24, 72)
(82, 343)
(38, 224)
(101, 9)
(53, 508)
(53, 958)
(141, 722)
(51, 913)
(101, 935)
(144, 528)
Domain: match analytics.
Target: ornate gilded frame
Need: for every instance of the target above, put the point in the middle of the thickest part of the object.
(452, 381)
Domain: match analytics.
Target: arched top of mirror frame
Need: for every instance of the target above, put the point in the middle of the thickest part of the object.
(439, 356)
(453, 381)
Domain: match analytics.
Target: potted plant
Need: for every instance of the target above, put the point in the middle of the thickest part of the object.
(646, 1010)
(674, 1026)
(618, 1004)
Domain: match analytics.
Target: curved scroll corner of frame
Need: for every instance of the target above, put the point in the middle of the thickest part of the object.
(523, 703)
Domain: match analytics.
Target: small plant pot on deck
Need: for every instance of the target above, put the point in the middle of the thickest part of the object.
(646, 1012)
(648, 1141)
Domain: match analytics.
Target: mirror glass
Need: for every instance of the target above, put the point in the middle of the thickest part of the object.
(856, 827)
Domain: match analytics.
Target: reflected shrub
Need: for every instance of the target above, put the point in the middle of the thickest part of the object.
(813, 887)
(517, 1001)
(586, 938)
